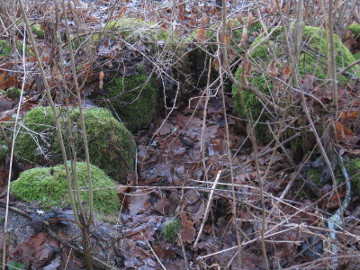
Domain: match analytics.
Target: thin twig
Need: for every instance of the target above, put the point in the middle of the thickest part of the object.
(184, 252)
(207, 208)
(153, 252)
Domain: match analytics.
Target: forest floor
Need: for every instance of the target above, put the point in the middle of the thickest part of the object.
(185, 173)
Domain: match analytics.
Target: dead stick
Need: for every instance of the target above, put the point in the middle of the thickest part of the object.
(207, 207)
(153, 252)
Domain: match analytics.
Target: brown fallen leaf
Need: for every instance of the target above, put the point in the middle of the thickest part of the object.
(187, 229)
(35, 252)
(201, 35)
(101, 79)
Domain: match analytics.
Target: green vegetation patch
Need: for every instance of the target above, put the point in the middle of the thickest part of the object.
(312, 60)
(5, 48)
(3, 150)
(13, 265)
(171, 229)
(48, 186)
(135, 100)
(352, 166)
(111, 146)
(357, 55)
(355, 30)
(13, 92)
(134, 96)
(38, 32)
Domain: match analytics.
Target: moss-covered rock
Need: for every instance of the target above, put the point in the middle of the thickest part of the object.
(111, 146)
(131, 85)
(48, 186)
(150, 45)
(135, 100)
(312, 60)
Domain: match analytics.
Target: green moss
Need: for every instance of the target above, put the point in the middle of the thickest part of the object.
(111, 147)
(5, 48)
(352, 166)
(357, 55)
(48, 186)
(8, 127)
(316, 38)
(253, 105)
(151, 44)
(353, 169)
(36, 28)
(135, 100)
(3, 150)
(311, 61)
(355, 30)
(171, 229)
(13, 92)
(315, 175)
(13, 265)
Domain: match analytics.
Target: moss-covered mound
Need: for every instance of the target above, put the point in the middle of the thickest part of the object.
(265, 53)
(48, 186)
(136, 47)
(134, 99)
(151, 45)
(110, 144)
